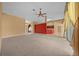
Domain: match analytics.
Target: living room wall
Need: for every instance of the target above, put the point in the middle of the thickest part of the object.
(0, 17)
(12, 25)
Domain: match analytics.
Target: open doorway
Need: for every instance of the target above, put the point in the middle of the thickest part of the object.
(29, 28)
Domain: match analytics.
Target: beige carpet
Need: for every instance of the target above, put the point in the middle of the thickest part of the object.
(36, 45)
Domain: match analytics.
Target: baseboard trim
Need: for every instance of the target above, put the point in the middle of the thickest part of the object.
(12, 35)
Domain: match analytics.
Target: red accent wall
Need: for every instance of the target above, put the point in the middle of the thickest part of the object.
(40, 28)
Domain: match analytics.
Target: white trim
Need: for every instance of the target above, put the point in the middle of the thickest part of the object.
(8, 36)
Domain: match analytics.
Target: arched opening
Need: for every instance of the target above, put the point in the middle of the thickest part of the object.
(29, 28)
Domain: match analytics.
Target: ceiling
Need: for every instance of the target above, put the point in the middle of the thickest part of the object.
(54, 10)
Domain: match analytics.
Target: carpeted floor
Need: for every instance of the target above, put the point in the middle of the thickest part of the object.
(35, 45)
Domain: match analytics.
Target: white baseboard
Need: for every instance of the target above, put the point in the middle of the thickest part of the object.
(8, 36)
